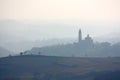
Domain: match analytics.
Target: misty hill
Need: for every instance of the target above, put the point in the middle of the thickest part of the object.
(4, 52)
(34, 67)
(103, 49)
(84, 47)
(19, 36)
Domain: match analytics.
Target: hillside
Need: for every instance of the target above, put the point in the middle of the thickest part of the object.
(35, 67)
(4, 52)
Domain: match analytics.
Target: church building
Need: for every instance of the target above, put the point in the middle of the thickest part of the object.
(87, 42)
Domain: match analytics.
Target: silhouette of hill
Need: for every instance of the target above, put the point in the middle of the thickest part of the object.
(4, 52)
(103, 49)
(81, 48)
(35, 67)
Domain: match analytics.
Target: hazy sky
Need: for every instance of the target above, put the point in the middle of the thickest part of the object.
(60, 9)
(39, 19)
(51, 18)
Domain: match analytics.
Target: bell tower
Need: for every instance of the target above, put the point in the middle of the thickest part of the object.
(79, 36)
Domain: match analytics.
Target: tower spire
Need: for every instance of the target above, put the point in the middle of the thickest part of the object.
(79, 36)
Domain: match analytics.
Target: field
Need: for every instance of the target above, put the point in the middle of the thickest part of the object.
(37, 67)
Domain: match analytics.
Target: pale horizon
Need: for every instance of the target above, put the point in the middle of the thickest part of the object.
(101, 10)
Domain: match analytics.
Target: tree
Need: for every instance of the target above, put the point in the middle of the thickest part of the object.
(21, 53)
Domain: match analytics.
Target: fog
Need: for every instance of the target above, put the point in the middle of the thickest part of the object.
(59, 39)
(17, 35)
(25, 23)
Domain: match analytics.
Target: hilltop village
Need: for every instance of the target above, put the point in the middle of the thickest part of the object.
(83, 48)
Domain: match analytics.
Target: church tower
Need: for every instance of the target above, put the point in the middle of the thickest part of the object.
(79, 36)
